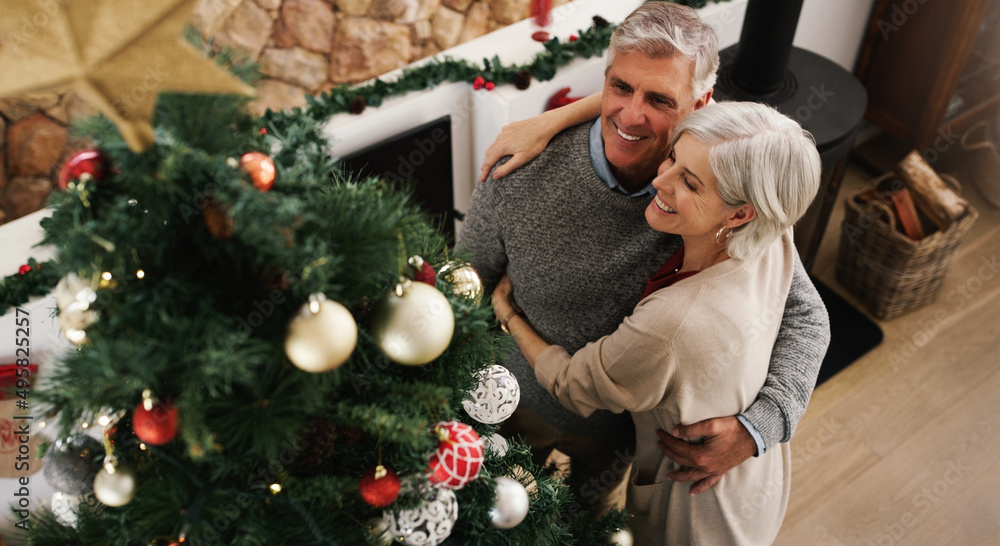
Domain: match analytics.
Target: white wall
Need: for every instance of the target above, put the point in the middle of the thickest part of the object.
(833, 29)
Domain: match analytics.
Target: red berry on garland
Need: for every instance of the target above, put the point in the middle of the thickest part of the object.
(489, 86)
(263, 131)
(540, 36)
(422, 271)
(573, 38)
(260, 168)
(24, 269)
(458, 458)
(91, 163)
(379, 486)
(156, 425)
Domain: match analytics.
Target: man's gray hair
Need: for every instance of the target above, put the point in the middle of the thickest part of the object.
(662, 29)
(761, 157)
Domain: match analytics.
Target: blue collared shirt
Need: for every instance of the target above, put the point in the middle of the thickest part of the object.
(603, 168)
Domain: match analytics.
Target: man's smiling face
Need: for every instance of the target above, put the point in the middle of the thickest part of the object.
(644, 99)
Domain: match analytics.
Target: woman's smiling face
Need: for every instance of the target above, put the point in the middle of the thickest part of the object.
(687, 201)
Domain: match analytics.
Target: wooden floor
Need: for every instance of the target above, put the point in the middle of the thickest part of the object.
(903, 447)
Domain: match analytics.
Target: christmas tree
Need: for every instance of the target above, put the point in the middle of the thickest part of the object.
(278, 351)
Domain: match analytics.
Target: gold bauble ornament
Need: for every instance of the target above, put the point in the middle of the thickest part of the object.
(322, 335)
(413, 325)
(114, 486)
(463, 280)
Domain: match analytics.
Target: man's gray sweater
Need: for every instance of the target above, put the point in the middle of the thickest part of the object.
(579, 254)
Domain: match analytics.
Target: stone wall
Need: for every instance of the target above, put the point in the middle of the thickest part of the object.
(302, 46)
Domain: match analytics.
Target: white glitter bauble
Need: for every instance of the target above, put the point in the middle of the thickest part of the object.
(495, 398)
(115, 489)
(429, 525)
(497, 444)
(622, 538)
(511, 505)
(322, 335)
(413, 325)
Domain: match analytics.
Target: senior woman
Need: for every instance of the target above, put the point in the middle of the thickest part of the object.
(698, 344)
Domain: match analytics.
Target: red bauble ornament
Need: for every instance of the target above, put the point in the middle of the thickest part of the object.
(422, 271)
(261, 169)
(458, 458)
(379, 486)
(88, 162)
(155, 426)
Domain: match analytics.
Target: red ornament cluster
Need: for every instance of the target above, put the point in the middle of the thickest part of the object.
(155, 426)
(481, 83)
(91, 163)
(261, 169)
(458, 458)
(379, 486)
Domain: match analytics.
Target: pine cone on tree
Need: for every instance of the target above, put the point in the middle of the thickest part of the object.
(600, 22)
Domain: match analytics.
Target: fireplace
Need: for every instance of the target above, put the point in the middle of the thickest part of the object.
(420, 158)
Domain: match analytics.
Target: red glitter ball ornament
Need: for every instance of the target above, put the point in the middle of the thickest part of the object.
(155, 426)
(88, 162)
(261, 169)
(379, 486)
(422, 271)
(458, 458)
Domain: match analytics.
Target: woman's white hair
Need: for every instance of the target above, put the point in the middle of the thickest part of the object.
(761, 157)
(661, 29)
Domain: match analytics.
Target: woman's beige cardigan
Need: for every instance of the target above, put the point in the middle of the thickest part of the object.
(692, 351)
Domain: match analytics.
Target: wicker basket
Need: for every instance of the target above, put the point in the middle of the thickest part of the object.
(891, 273)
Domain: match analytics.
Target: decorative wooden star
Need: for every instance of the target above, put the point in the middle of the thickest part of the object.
(116, 54)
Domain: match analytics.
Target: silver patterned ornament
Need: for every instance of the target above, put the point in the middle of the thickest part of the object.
(511, 505)
(428, 525)
(74, 298)
(64, 507)
(497, 444)
(496, 396)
